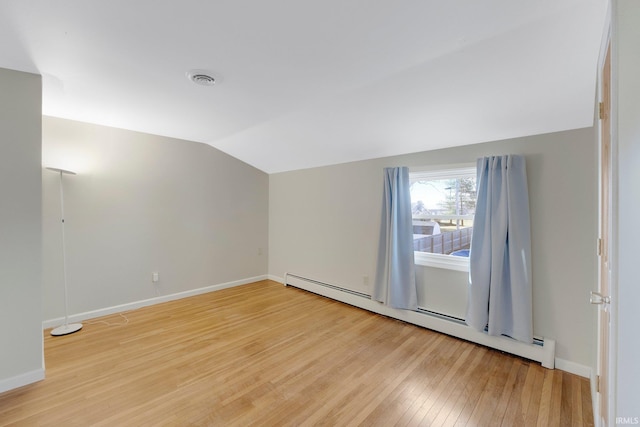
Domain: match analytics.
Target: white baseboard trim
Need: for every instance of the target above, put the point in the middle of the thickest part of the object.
(151, 301)
(21, 380)
(573, 368)
(275, 278)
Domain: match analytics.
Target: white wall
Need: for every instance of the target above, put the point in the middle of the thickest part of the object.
(20, 229)
(141, 204)
(626, 97)
(324, 222)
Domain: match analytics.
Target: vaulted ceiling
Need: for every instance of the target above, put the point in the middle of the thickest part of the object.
(305, 83)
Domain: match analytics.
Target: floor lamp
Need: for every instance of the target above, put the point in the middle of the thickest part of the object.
(73, 327)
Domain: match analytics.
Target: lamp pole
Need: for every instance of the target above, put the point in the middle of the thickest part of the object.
(66, 328)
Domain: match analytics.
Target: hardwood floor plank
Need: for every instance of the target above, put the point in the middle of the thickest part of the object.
(432, 374)
(587, 410)
(544, 411)
(379, 398)
(460, 392)
(515, 411)
(490, 394)
(508, 390)
(441, 394)
(532, 416)
(567, 401)
(265, 354)
(556, 401)
(399, 394)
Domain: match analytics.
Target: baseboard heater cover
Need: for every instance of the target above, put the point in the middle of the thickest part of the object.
(542, 350)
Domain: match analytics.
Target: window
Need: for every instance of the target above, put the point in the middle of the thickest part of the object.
(443, 203)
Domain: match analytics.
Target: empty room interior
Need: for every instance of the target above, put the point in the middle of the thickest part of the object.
(319, 213)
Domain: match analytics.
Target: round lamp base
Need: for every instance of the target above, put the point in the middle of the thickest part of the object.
(66, 329)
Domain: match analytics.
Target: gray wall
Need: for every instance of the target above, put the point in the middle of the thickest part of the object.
(20, 226)
(141, 204)
(324, 222)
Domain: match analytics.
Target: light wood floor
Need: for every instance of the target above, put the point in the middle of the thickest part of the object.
(265, 354)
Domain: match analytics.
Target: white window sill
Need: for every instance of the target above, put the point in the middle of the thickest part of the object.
(442, 261)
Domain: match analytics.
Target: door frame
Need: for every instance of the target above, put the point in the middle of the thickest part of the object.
(603, 385)
(608, 46)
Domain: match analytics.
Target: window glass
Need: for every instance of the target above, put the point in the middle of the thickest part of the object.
(443, 203)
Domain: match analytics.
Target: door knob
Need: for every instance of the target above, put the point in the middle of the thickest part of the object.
(598, 298)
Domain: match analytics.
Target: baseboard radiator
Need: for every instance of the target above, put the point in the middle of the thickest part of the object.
(542, 350)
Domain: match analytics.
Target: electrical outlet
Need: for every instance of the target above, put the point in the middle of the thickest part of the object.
(259, 251)
(365, 281)
(155, 276)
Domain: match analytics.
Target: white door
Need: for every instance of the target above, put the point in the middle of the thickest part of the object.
(601, 297)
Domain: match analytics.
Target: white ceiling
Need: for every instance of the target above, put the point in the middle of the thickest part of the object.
(310, 83)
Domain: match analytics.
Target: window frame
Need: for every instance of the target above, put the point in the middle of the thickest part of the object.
(427, 259)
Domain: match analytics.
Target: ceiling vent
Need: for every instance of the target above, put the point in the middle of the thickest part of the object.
(202, 77)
